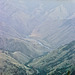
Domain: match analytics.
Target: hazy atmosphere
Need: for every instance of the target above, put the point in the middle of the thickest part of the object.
(37, 37)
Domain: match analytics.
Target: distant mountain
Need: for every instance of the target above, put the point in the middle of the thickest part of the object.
(72, 16)
(58, 62)
(8, 31)
(57, 27)
(50, 17)
(16, 18)
(41, 23)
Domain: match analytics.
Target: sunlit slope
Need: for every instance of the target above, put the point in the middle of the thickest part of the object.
(57, 62)
(10, 66)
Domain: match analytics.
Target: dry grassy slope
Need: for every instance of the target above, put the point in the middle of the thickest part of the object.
(10, 66)
(22, 49)
(57, 62)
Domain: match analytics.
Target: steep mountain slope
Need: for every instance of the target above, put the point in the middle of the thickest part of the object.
(15, 14)
(56, 32)
(57, 62)
(8, 31)
(51, 21)
(29, 29)
(16, 20)
(64, 33)
(22, 49)
(10, 66)
(58, 27)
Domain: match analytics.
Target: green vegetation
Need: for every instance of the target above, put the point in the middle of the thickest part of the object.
(58, 62)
